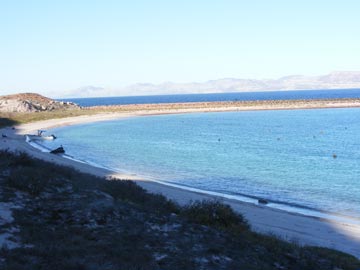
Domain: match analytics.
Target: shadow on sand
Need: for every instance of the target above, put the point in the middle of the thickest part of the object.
(6, 122)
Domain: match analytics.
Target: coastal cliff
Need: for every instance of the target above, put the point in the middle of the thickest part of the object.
(31, 102)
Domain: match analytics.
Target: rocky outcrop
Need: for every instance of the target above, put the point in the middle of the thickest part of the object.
(30, 102)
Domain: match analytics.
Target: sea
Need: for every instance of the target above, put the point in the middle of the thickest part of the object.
(304, 161)
(242, 96)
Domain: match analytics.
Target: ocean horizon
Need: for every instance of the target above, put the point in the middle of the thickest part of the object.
(213, 97)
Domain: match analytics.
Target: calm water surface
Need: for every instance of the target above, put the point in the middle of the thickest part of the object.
(305, 158)
(268, 95)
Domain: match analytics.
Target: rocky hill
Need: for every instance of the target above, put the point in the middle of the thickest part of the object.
(31, 102)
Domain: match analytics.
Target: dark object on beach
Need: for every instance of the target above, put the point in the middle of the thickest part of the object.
(3, 135)
(59, 150)
(262, 201)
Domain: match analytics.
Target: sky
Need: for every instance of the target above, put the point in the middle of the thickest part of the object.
(56, 45)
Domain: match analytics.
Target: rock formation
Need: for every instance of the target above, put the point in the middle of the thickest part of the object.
(30, 102)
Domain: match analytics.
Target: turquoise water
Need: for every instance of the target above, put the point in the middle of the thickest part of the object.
(304, 158)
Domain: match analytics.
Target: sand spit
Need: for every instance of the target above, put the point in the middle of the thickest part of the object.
(224, 106)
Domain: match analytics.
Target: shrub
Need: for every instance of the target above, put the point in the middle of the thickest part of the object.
(27, 179)
(129, 191)
(10, 159)
(21, 159)
(214, 214)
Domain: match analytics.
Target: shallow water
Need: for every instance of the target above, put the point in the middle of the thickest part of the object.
(304, 158)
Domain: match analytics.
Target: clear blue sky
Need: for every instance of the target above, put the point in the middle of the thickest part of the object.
(65, 44)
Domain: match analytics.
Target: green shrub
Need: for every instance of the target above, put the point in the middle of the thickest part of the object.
(21, 159)
(129, 191)
(10, 159)
(342, 260)
(27, 179)
(214, 214)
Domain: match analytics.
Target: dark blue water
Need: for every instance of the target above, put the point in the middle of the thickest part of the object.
(273, 95)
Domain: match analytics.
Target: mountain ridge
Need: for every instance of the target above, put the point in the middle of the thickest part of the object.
(333, 80)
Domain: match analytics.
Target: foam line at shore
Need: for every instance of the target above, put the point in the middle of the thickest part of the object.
(238, 197)
(251, 199)
(40, 147)
(276, 205)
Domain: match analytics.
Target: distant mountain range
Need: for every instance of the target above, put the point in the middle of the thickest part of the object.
(334, 80)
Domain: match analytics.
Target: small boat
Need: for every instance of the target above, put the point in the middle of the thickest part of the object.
(59, 150)
(41, 136)
(51, 137)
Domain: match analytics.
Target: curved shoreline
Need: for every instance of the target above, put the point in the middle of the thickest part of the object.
(290, 226)
(243, 198)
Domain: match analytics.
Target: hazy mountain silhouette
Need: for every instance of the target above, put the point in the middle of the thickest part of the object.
(334, 80)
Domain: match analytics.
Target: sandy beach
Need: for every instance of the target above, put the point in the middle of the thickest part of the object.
(302, 229)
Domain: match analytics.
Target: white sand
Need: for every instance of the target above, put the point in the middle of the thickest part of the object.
(302, 229)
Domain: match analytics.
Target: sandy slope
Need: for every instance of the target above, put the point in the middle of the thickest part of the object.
(289, 226)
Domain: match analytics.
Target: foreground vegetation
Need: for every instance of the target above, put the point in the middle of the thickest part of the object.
(64, 219)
